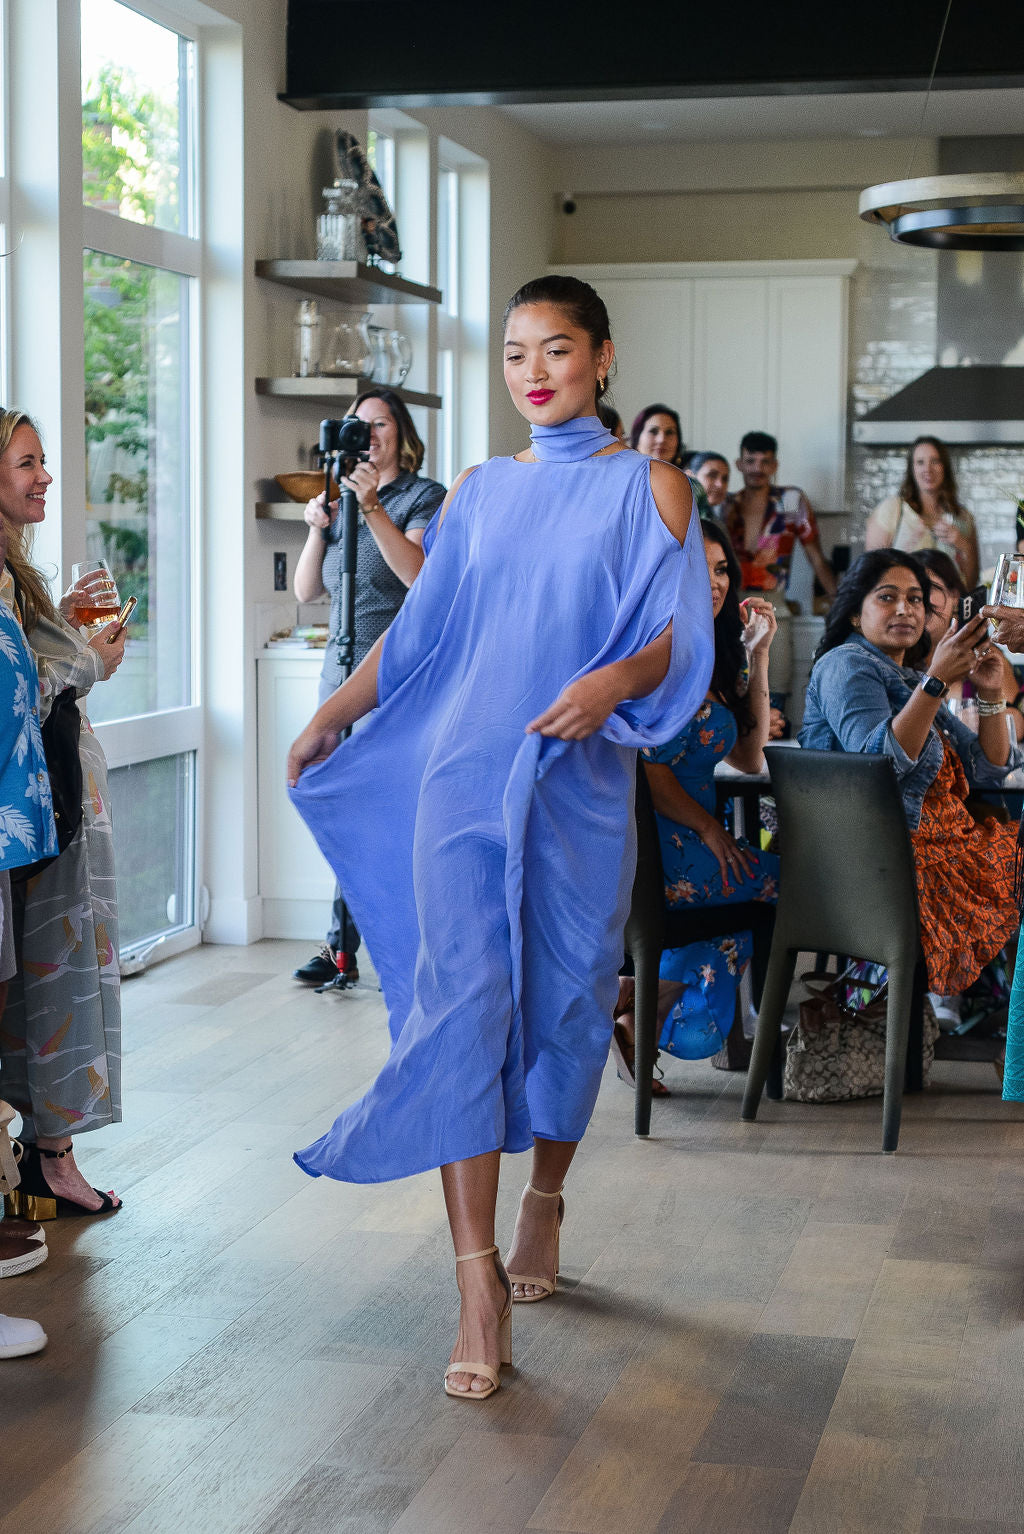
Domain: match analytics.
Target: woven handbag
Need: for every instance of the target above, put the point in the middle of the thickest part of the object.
(836, 1053)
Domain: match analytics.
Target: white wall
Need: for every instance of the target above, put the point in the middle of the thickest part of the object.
(758, 201)
(522, 172)
(738, 201)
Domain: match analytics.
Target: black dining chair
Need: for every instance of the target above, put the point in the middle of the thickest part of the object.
(847, 886)
(651, 928)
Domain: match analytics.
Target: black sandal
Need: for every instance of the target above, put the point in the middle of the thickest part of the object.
(34, 1199)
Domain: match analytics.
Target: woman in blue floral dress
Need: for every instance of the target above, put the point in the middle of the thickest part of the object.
(703, 863)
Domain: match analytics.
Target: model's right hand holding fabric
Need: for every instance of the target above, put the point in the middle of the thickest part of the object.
(581, 709)
(312, 746)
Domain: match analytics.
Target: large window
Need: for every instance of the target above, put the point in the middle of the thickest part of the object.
(137, 328)
(462, 260)
(141, 266)
(137, 138)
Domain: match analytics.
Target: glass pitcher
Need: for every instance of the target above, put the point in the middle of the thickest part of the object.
(349, 350)
(401, 357)
(378, 367)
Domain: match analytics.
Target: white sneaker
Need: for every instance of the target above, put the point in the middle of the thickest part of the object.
(20, 1256)
(947, 1011)
(18, 1337)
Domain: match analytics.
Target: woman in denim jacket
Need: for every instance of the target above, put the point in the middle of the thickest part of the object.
(864, 695)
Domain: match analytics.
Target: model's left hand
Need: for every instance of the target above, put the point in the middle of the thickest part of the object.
(580, 710)
(760, 624)
(364, 480)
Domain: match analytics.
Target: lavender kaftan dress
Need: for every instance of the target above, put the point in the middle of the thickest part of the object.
(489, 870)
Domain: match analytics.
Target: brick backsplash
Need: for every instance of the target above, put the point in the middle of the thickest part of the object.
(892, 334)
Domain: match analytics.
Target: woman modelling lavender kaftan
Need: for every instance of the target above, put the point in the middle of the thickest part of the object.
(490, 870)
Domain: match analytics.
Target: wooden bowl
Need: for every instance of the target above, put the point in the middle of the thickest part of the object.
(303, 485)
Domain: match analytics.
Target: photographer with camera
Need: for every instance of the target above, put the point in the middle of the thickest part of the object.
(396, 503)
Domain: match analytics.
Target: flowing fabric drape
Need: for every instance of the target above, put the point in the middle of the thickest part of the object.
(490, 870)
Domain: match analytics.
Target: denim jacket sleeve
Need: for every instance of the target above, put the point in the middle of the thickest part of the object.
(855, 696)
(852, 698)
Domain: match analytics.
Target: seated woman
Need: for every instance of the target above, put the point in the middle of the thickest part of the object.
(703, 863)
(711, 471)
(865, 695)
(947, 587)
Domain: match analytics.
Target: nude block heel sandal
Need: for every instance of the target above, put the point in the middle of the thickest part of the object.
(463, 1366)
(546, 1285)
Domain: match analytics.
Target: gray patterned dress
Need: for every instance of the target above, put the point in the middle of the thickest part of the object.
(60, 1037)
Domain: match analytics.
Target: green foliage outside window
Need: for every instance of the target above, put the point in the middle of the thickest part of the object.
(130, 164)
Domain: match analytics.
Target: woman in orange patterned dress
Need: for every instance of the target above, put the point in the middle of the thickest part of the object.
(865, 695)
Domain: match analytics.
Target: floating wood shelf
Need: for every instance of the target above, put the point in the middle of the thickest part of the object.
(332, 391)
(280, 511)
(347, 282)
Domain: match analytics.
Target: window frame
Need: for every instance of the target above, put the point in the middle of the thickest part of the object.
(176, 731)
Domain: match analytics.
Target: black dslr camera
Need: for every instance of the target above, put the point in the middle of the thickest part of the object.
(347, 439)
(342, 445)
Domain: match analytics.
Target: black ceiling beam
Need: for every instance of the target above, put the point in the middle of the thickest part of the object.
(349, 53)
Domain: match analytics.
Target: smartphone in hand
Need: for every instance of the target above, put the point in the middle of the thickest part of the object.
(970, 605)
(122, 618)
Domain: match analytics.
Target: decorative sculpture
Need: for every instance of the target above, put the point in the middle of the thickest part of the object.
(379, 229)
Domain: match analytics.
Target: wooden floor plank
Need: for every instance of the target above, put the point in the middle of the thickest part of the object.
(732, 1499)
(777, 1403)
(504, 1473)
(114, 1477)
(227, 1488)
(828, 1281)
(634, 1451)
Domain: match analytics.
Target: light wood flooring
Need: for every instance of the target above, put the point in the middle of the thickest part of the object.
(761, 1327)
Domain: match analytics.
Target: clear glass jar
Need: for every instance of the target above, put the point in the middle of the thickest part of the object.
(401, 357)
(349, 350)
(306, 349)
(339, 229)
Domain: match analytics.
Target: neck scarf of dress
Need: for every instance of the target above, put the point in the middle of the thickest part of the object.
(570, 441)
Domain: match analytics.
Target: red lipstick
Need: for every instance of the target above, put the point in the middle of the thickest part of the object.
(540, 396)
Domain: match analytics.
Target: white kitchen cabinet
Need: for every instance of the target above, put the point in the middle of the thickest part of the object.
(296, 885)
(738, 346)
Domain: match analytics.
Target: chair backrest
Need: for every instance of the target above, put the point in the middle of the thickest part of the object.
(688, 923)
(847, 880)
(648, 903)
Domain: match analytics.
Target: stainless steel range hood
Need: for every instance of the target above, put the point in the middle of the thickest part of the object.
(975, 396)
(962, 405)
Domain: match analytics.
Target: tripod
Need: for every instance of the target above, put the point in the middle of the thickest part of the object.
(332, 453)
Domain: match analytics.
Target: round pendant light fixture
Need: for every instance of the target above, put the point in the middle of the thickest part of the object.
(963, 212)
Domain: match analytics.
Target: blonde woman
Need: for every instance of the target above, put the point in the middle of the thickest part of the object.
(927, 514)
(61, 1040)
